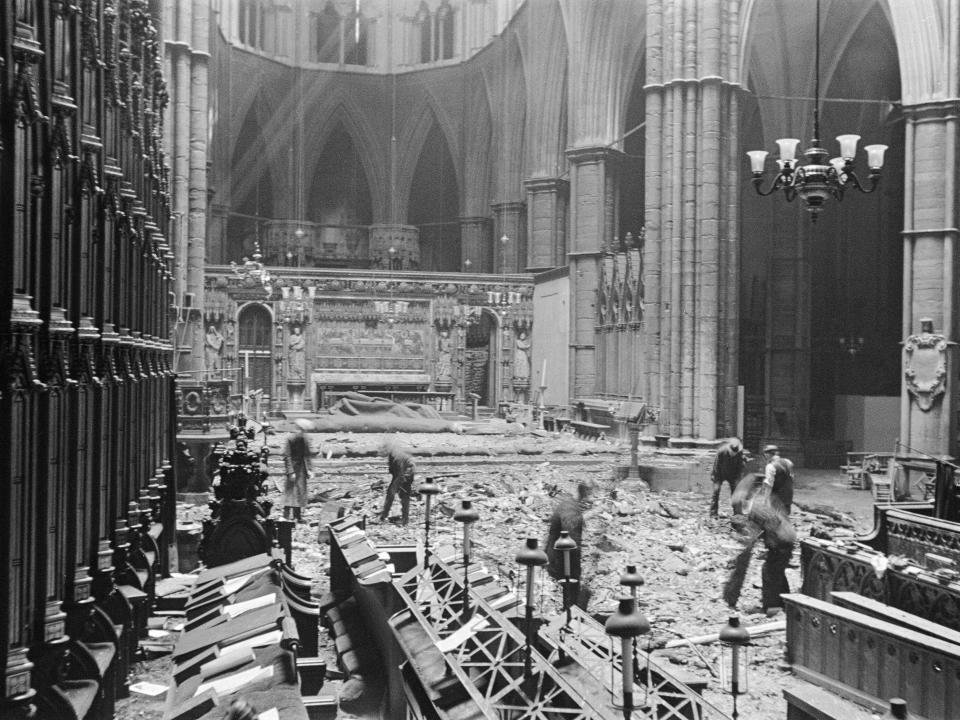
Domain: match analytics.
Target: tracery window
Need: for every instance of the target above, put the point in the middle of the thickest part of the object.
(339, 39)
(436, 32)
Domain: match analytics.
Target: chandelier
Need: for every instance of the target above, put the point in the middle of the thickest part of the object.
(819, 178)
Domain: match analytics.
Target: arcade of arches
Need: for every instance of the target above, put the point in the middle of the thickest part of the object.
(607, 143)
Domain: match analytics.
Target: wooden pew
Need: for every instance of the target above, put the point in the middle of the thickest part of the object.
(829, 566)
(869, 659)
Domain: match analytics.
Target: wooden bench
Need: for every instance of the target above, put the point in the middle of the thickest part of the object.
(594, 431)
(869, 659)
(809, 702)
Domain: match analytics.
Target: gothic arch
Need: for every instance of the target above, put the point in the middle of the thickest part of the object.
(545, 68)
(276, 105)
(339, 108)
(475, 190)
(412, 139)
(510, 122)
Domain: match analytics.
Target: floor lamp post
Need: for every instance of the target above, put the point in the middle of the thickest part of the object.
(428, 489)
(467, 515)
(531, 557)
(626, 623)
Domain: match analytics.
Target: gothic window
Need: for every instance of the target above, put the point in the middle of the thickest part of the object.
(423, 22)
(356, 41)
(284, 32)
(325, 33)
(436, 32)
(444, 33)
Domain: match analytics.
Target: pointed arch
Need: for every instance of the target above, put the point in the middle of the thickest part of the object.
(335, 108)
(475, 195)
(545, 68)
(412, 139)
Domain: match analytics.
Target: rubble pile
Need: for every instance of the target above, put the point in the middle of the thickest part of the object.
(515, 482)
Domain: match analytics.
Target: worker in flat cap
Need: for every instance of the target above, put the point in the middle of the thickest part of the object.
(728, 466)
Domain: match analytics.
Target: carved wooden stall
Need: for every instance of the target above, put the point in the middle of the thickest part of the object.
(86, 418)
(879, 616)
(243, 641)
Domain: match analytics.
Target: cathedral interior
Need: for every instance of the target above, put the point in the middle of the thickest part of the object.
(493, 208)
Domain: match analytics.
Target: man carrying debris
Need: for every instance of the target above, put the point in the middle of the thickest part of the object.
(402, 469)
(727, 468)
(768, 517)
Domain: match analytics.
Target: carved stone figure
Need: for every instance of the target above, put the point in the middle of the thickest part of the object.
(296, 348)
(213, 348)
(521, 357)
(444, 349)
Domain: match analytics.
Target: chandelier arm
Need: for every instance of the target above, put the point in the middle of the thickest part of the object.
(873, 180)
(775, 185)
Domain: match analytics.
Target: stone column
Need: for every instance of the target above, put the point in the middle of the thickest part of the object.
(475, 245)
(509, 219)
(185, 35)
(927, 423)
(593, 191)
(547, 213)
(692, 193)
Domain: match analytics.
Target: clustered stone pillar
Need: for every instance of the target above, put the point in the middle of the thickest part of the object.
(475, 245)
(691, 254)
(509, 222)
(593, 186)
(929, 285)
(187, 60)
(546, 214)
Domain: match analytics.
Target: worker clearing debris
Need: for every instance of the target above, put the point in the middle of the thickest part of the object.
(765, 515)
(402, 469)
(568, 514)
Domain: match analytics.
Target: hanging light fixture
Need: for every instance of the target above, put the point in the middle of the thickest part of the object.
(820, 178)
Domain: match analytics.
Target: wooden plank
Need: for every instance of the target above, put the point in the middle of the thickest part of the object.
(877, 609)
(819, 704)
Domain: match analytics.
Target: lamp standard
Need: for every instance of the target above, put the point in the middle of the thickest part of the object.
(565, 545)
(531, 556)
(428, 489)
(626, 623)
(467, 515)
(632, 579)
(734, 642)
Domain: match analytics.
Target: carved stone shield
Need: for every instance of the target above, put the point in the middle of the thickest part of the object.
(925, 368)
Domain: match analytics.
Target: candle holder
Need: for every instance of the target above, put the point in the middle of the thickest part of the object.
(531, 556)
(626, 623)
(467, 515)
(428, 488)
(734, 651)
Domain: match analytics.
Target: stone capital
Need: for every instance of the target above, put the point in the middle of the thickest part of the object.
(546, 185)
(508, 207)
(933, 111)
(593, 155)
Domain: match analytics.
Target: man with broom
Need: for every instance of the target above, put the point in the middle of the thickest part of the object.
(767, 517)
